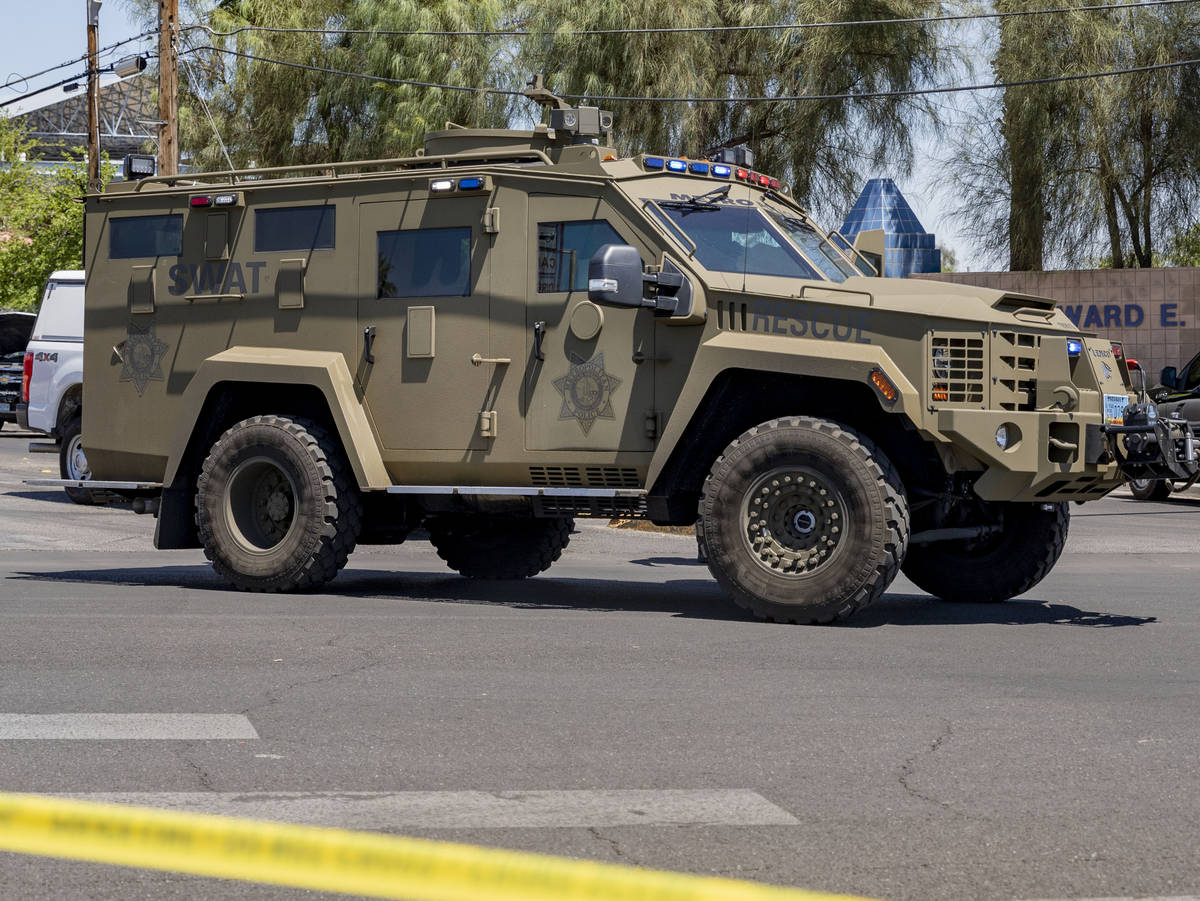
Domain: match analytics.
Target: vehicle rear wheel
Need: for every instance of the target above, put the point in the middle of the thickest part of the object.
(72, 461)
(997, 567)
(803, 520)
(1150, 489)
(493, 547)
(276, 506)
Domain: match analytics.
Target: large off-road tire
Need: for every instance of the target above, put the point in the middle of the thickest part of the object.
(997, 567)
(72, 461)
(1150, 489)
(803, 520)
(276, 505)
(493, 547)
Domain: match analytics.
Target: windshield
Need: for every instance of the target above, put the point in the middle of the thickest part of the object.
(815, 247)
(735, 239)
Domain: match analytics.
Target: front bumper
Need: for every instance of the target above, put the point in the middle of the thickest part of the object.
(1049, 457)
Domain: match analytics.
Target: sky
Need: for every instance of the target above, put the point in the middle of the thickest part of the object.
(55, 31)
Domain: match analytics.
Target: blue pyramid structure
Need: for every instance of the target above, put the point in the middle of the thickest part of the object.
(909, 248)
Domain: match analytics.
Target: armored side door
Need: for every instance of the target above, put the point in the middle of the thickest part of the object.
(593, 388)
(423, 309)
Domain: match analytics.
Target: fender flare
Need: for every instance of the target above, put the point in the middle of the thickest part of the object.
(324, 370)
(852, 362)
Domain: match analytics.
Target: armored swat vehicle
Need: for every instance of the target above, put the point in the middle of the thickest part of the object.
(514, 328)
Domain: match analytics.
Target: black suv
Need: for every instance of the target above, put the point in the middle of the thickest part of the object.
(15, 329)
(1176, 393)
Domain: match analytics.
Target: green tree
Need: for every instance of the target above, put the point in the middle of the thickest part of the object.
(1103, 162)
(41, 217)
(822, 147)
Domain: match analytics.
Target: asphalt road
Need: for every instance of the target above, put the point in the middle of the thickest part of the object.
(1042, 748)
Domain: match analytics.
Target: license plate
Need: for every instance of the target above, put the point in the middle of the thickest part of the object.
(1114, 409)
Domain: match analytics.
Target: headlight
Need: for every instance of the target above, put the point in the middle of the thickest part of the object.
(1002, 437)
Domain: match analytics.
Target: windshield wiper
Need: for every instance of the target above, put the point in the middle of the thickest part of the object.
(700, 201)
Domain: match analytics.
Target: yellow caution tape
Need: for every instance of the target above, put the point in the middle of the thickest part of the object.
(337, 860)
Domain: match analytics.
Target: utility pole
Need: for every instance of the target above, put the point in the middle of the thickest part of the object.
(93, 96)
(168, 99)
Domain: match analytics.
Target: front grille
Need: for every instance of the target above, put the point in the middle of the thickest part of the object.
(956, 369)
(1016, 362)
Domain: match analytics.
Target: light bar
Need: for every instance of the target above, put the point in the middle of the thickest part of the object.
(742, 174)
(722, 171)
(442, 184)
(677, 165)
(474, 183)
(653, 162)
(698, 168)
(225, 200)
(763, 180)
(1074, 347)
(201, 201)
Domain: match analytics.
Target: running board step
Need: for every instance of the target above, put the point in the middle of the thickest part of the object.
(92, 483)
(502, 490)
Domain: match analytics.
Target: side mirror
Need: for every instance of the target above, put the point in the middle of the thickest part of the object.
(1168, 377)
(615, 276)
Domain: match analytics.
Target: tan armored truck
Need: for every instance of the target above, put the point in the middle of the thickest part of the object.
(513, 329)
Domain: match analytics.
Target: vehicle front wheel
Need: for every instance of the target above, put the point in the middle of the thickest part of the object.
(495, 547)
(1150, 489)
(72, 462)
(995, 567)
(276, 506)
(803, 520)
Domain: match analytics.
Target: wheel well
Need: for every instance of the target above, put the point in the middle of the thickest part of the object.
(226, 404)
(739, 399)
(71, 403)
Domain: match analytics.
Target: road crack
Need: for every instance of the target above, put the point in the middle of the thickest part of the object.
(909, 766)
(611, 842)
(275, 695)
(202, 775)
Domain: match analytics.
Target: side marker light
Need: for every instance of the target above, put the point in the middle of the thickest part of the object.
(444, 184)
(884, 386)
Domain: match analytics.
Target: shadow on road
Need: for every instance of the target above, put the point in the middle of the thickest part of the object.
(922, 610)
(688, 598)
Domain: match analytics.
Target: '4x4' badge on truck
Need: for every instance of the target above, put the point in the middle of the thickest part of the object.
(142, 353)
(586, 391)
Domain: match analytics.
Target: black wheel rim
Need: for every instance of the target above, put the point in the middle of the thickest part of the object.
(260, 505)
(793, 521)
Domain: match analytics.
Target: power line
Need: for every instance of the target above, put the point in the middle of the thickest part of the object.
(708, 29)
(875, 95)
(101, 52)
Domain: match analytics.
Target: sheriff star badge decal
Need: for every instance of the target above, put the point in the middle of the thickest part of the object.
(142, 355)
(586, 391)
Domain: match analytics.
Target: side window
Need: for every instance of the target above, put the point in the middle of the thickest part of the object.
(132, 237)
(424, 262)
(293, 228)
(567, 246)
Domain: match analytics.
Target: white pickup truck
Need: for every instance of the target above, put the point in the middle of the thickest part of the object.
(52, 396)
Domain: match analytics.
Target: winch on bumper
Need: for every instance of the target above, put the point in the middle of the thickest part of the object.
(1146, 446)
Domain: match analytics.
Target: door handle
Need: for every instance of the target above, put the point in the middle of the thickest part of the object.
(539, 333)
(479, 360)
(368, 343)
